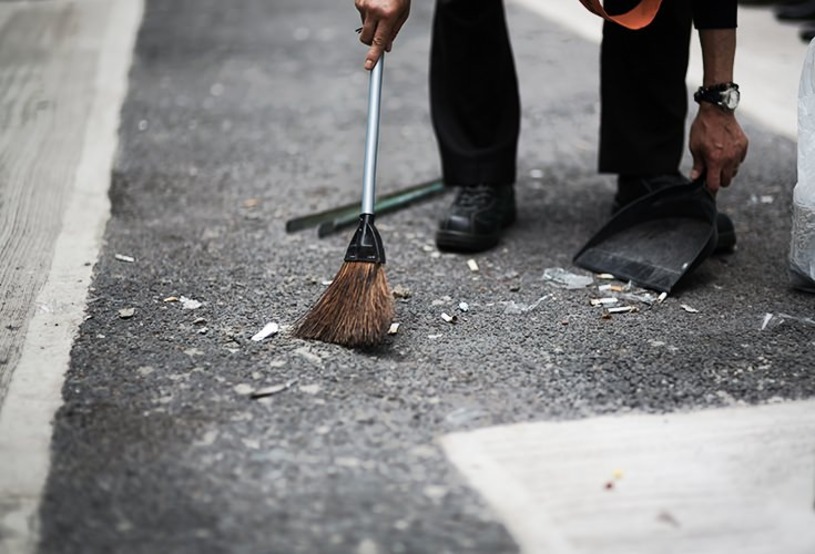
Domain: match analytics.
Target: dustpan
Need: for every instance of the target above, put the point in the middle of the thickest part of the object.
(656, 240)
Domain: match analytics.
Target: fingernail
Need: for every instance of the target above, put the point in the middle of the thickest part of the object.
(369, 64)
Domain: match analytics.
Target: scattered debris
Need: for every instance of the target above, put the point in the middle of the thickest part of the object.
(606, 277)
(667, 517)
(689, 309)
(513, 308)
(661, 298)
(199, 321)
(609, 485)
(774, 320)
(763, 199)
(611, 288)
(565, 279)
(644, 297)
(327, 282)
(449, 318)
(394, 328)
(622, 310)
(310, 389)
(171, 299)
(472, 264)
(268, 330)
(603, 302)
(189, 303)
(463, 306)
(617, 474)
(435, 492)
(434, 337)
(250, 203)
(243, 389)
(400, 291)
(127, 313)
(274, 389)
(126, 259)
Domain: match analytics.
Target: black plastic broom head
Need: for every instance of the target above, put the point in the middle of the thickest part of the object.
(366, 245)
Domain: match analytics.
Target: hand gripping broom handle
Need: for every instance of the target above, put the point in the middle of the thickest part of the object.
(366, 246)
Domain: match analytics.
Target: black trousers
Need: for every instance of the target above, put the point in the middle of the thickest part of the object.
(475, 106)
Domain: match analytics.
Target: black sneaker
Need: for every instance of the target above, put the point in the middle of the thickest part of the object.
(632, 187)
(476, 218)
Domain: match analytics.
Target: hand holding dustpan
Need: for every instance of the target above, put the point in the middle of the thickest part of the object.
(656, 240)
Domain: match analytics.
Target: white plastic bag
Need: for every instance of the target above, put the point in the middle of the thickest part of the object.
(802, 248)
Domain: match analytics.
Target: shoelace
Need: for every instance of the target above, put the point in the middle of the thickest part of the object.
(475, 196)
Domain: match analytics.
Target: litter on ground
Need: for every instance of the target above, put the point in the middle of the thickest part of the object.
(449, 318)
(273, 389)
(565, 279)
(268, 330)
(189, 303)
(514, 308)
(772, 321)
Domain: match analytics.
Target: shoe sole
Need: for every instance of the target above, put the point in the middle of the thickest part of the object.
(458, 241)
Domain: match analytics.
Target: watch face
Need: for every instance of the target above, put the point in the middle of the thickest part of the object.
(730, 99)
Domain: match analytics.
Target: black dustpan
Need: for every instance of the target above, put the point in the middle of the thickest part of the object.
(656, 240)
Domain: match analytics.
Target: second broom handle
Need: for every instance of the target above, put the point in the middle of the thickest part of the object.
(372, 138)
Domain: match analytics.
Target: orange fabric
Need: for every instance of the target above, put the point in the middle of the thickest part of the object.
(640, 16)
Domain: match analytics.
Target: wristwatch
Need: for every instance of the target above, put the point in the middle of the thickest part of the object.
(724, 95)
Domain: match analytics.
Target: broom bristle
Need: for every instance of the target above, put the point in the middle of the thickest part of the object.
(355, 310)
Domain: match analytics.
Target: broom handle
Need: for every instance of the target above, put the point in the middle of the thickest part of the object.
(372, 138)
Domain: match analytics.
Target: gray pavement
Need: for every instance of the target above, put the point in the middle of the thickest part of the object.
(243, 114)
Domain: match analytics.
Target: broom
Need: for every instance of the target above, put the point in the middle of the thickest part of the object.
(357, 307)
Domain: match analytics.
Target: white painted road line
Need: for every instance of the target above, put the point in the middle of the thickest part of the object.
(768, 61)
(35, 390)
(727, 480)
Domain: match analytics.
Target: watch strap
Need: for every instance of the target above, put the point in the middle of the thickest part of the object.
(712, 93)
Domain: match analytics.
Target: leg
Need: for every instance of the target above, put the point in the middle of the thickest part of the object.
(644, 104)
(643, 93)
(474, 92)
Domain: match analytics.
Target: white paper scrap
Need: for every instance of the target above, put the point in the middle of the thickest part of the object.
(268, 330)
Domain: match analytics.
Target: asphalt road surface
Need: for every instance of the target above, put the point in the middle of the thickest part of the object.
(240, 115)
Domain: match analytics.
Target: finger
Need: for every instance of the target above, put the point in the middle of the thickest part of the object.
(714, 178)
(366, 35)
(728, 175)
(374, 52)
(379, 44)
